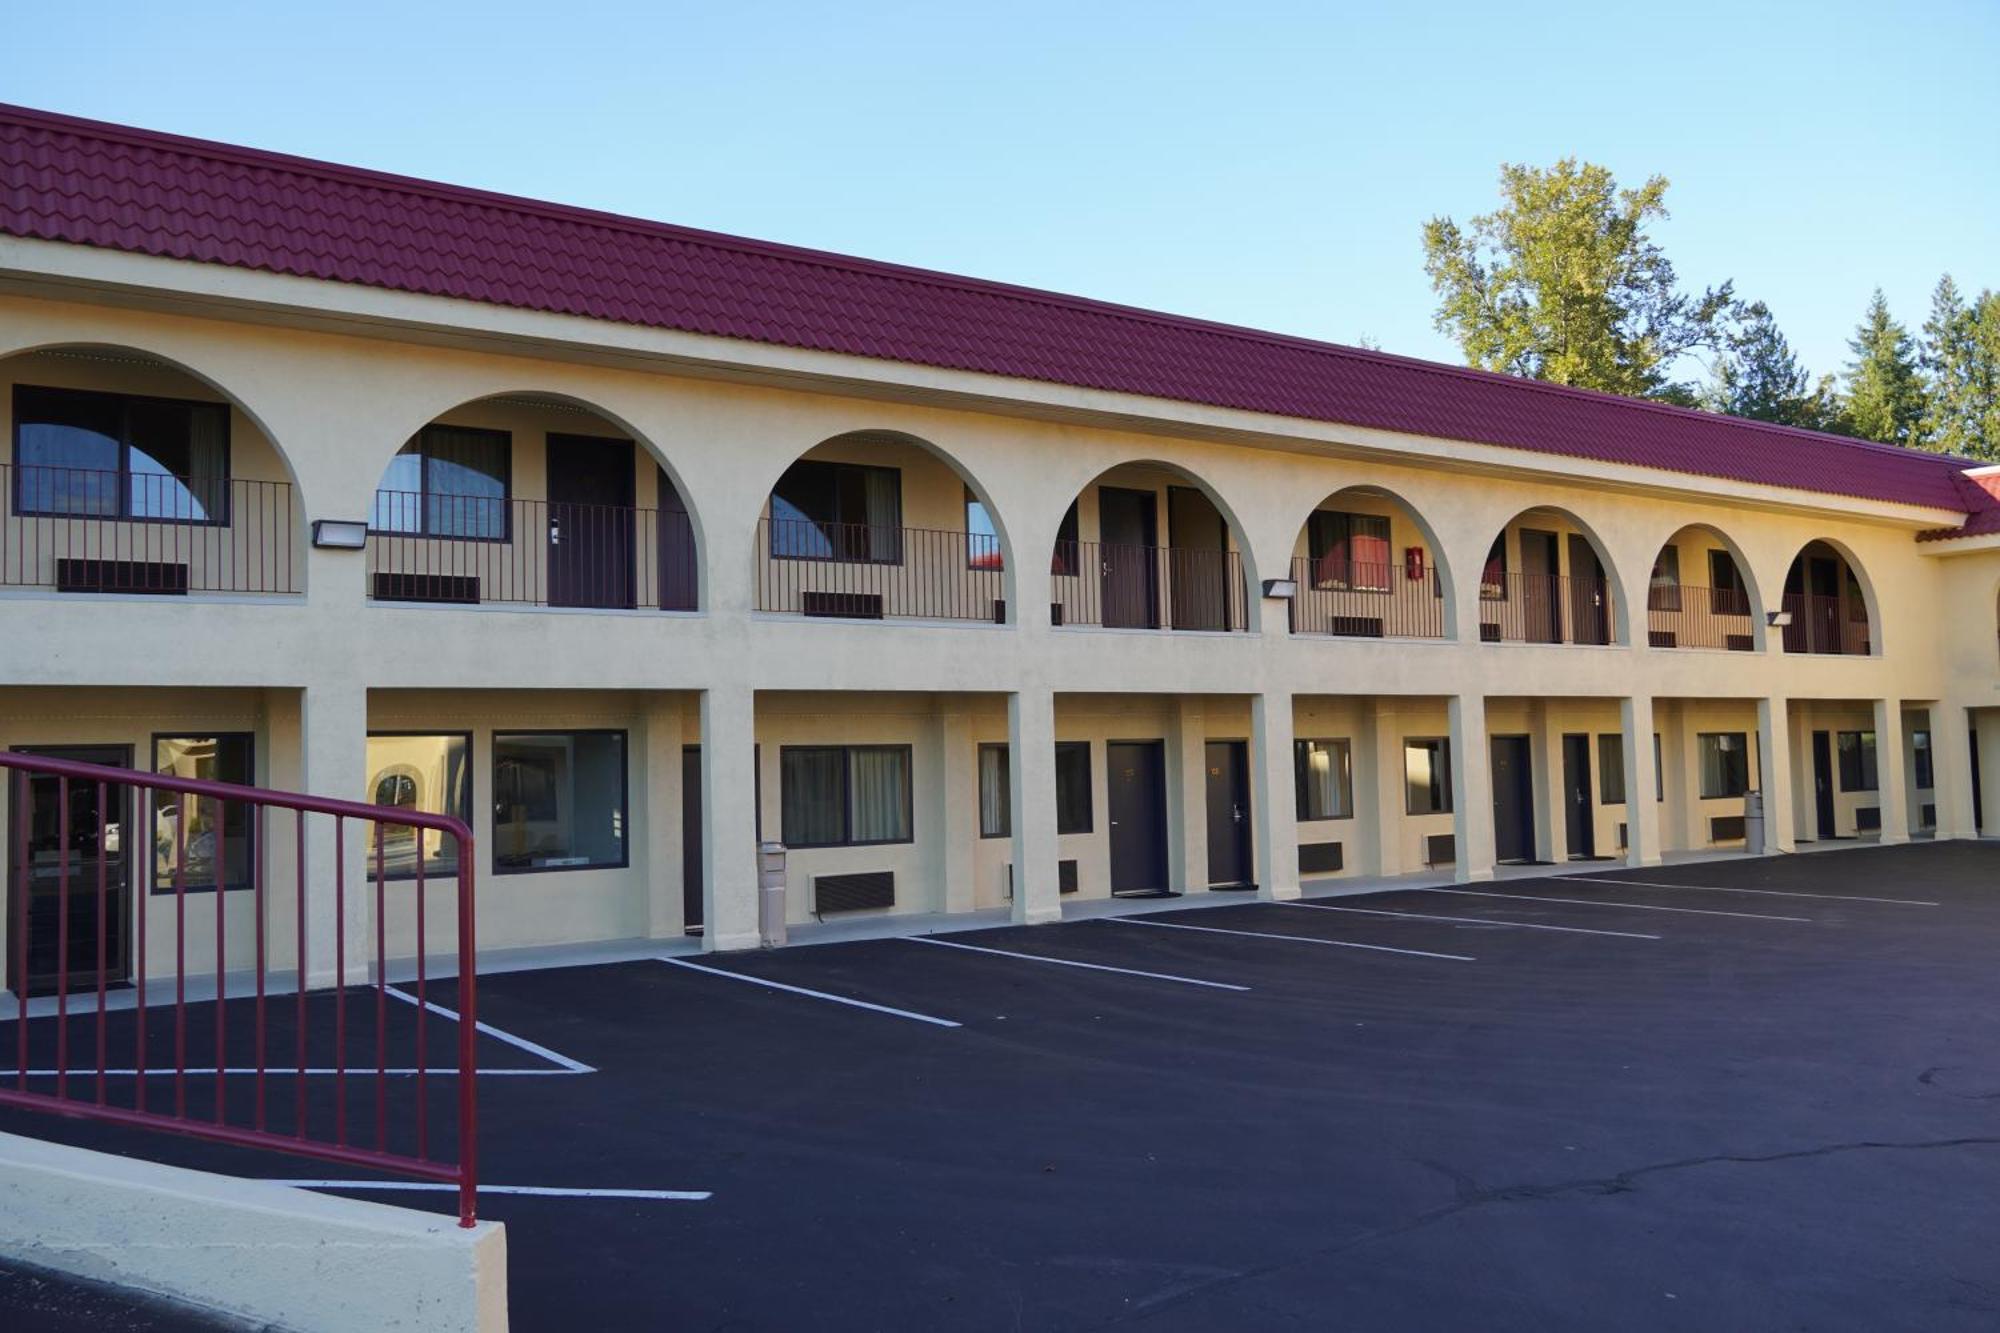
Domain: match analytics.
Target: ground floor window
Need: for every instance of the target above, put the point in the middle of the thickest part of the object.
(559, 800)
(1857, 760)
(1611, 767)
(996, 817)
(996, 801)
(1427, 775)
(1725, 764)
(1073, 804)
(1323, 772)
(418, 772)
(1659, 771)
(194, 836)
(844, 795)
(1920, 748)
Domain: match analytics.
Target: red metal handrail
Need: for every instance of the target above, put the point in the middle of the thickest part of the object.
(36, 778)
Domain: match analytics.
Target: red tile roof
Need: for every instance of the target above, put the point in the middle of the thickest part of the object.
(88, 183)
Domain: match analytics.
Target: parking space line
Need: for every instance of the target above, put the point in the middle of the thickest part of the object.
(1070, 962)
(539, 1191)
(518, 1043)
(1767, 893)
(1613, 902)
(1472, 920)
(1289, 939)
(313, 1071)
(815, 994)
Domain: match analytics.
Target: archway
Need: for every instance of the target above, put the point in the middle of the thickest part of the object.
(1829, 607)
(1548, 578)
(1719, 609)
(1148, 545)
(1367, 565)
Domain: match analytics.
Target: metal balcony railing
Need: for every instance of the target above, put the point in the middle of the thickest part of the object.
(1147, 587)
(1682, 616)
(468, 550)
(1365, 601)
(864, 571)
(1828, 625)
(88, 531)
(1546, 608)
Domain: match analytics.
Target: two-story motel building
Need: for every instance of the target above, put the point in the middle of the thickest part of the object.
(636, 546)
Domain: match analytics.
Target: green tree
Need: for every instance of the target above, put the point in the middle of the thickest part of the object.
(1885, 394)
(1961, 360)
(1758, 376)
(1564, 283)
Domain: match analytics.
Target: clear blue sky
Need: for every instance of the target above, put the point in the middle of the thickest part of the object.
(1264, 164)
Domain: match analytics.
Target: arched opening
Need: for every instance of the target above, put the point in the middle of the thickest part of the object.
(1548, 579)
(1827, 606)
(532, 500)
(1148, 546)
(876, 524)
(126, 472)
(1366, 565)
(1700, 594)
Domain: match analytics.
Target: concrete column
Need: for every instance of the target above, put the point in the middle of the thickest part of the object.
(1471, 787)
(1187, 797)
(1274, 810)
(1031, 771)
(954, 807)
(660, 766)
(1545, 759)
(1378, 790)
(1642, 812)
(729, 818)
(1951, 769)
(1774, 757)
(1892, 789)
(334, 726)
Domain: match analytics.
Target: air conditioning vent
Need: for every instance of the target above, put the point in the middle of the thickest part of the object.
(1357, 627)
(139, 576)
(1489, 633)
(846, 605)
(854, 893)
(1868, 819)
(1319, 858)
(1726, 828)
(458, 589)
(1441, 849)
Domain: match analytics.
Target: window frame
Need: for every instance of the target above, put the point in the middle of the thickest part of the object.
(1066, 561)
(1495, 563)
(1006, 753)
(1923, 763)
(1089, 788)
(423, 532)
(1326, 528)
(1867, 761)
(1300, 787)
(1727, 596)
(1440, 749)
(1663, 585)
(1607, 742)
(124, 469)
(846, 794)
(493, 738)
(1704, 794)
(471, 794)
(153, 884)
(836, 556)
(973, 540)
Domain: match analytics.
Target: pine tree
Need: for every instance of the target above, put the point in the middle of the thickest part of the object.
(1885, 394)
(1959, 362)
(1759, 376)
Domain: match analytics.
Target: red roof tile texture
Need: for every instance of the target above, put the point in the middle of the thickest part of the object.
(87, 183)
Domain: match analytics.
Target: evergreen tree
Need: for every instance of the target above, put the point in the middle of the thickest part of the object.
(1959, 364)
(1759, 376)
(1885, 394)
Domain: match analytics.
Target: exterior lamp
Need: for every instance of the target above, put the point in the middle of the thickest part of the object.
(340, 534)
(1281, 588)
(1778, 619)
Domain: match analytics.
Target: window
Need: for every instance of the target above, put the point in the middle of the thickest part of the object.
(1427, 775)
(1659, 771)
(427, 773)
(1727, 595)
(558, 800)
(80, 454)
(1857, 760)
(1493, 576)
(1920, 747)
(838, 511)
(996, 816)
(844, 796)
(1349, 550)
(1064, 563)
(1725, 764)
(191, 833)
(1323, 776)
(1611, 768)
(448, 481)
(1663, 592)
(982, 542)
(1073, 804)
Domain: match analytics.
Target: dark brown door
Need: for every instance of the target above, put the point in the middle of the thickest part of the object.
(1128, 533)
(1229, 848)
(677, 562)
(590, 521)
(1589, 606)
(1578, 817)
(1822, 745)
(691, 860)
(1541, 601)
(1513, 800)
(62, 875)
(1197, 561)
(1138, 803)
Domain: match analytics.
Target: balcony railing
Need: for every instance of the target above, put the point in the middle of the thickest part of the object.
(1826, 625)
(865, 571)
(88, 531)
(1147, 587)
(1365, 601)
(1545, 608)
(469, 550)
(1687, 617)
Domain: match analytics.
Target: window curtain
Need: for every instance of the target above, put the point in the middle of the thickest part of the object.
(1328, 537)
(1368, 552)
(993, 792)
(1725, 768)
(1324, 779)
(878, 795)
(465, 482)
(882, 500)
(1611, 768)
(1664, 594)
(813, 783)
(1493, 578)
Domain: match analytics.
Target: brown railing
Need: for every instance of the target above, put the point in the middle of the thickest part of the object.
(87, 531)
(470, 549)
(1546, 608)
(1365, 601)
(1687, 617)
(1147, 587)
(1826, 625)
(865, 571)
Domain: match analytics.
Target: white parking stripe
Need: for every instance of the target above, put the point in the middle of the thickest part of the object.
(1472, 920)
(542, 1191)
(518, 1043)
(293, 1071)
(815, 994)
(1613, 902)
(1289, 939)
(1070, 962)
(1767, 893)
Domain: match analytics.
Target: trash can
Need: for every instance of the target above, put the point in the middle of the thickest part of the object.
(771, 894)
(1753, 821)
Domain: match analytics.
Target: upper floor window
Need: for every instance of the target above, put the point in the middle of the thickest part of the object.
(83, 454)
(838, 511)
(1064, 562)
(1727, 595)
(982, 542)
(448, 481)
(1493, 575)
(1349, 550)
(1663, 591)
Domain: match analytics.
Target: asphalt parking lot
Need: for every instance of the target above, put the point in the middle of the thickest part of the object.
(1756, 1094)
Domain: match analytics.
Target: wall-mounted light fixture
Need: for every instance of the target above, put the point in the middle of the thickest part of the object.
(1282, 588)
(340, 534)
(1778, 619)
